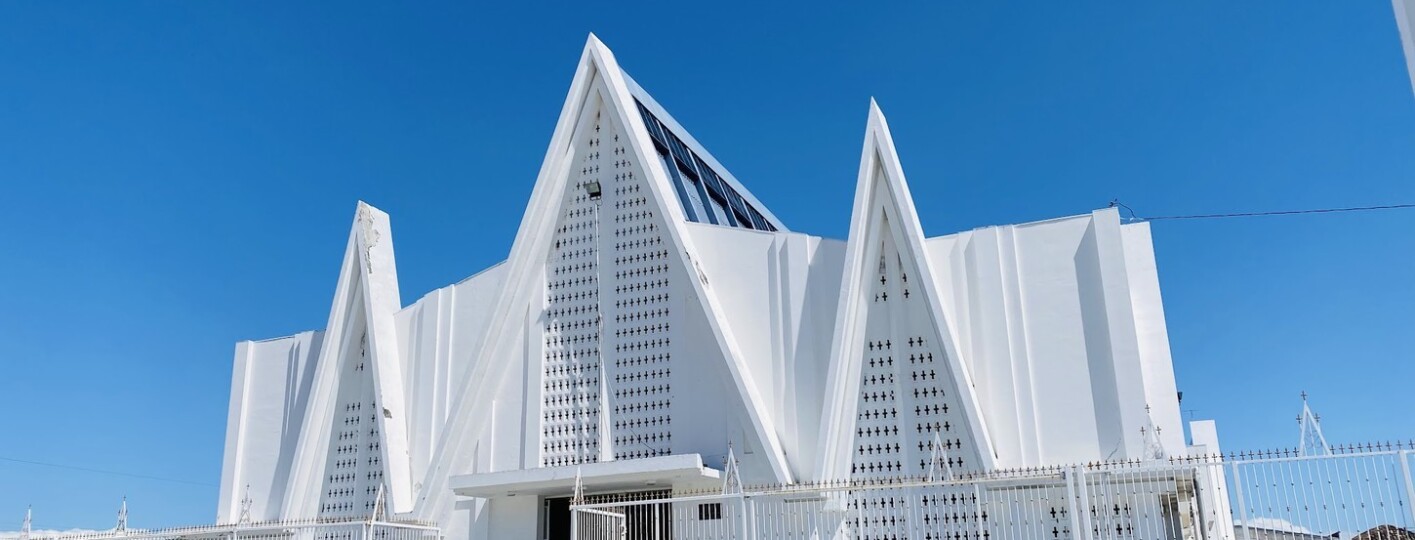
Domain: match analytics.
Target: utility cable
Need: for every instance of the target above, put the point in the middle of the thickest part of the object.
(101, 471)
(1116, 203)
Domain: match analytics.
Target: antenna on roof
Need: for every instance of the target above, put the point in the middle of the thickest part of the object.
(1311, 442)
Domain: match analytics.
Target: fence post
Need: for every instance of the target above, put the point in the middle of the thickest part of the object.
(751, 516)
(980, 509)
(1071, 495)
(1242, 505)
(1083, 493)
(657, 529)
(742, 515)
(1409, 486)
(574, 524)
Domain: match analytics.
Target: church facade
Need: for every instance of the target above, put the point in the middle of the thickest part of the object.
(654, 317)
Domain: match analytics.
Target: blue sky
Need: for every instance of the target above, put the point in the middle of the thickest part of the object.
(179, 176)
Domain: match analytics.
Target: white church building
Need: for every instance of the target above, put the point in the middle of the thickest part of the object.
(654, 317)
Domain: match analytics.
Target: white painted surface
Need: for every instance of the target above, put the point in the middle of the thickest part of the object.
(1048, 339)
(269, 390)
(630, 474)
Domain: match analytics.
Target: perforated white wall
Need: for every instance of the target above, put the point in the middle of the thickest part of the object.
(354, 468)
(907, 399)
(608, 247)
(641, 388)
(570, 427)
(908, 414)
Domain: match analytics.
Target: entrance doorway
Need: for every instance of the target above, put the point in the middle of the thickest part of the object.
(647, 521)
(555, 520)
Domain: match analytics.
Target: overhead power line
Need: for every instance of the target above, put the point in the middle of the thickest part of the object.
(1116, 203)
(101, 471)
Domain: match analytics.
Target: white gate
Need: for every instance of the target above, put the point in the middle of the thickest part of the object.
(598, 524)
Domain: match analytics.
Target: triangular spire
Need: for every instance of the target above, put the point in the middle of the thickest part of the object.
(894, 354)
(246, 503)
(122, 526)
(354, 435)
(731, 478)
(380, 506)
(940, 468)
(1150, 434)
(554, 268)
(24, 529)
(1311, 442)
(578, 495)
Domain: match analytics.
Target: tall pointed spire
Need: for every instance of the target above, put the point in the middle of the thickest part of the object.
(358, 381)
(894, 362)
(556, 268)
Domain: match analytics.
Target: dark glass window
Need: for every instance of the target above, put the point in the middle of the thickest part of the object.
(678, 187)
(758, 220)
(689, 172)
(709, 511)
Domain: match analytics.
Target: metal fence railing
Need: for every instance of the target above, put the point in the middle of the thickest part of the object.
(1355, 493)
(318, 529)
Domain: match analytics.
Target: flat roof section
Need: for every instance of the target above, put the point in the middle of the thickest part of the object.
(662, 472)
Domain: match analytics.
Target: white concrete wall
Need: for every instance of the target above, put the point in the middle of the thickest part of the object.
(781, 290)
(514, 518)
(437, 336)
(269, 389)
(1061, 325)
(1156, 364)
